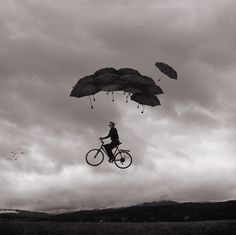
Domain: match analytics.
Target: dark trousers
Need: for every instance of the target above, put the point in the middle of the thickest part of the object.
(109, 148)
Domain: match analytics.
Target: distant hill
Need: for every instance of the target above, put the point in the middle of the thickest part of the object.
(155, 203)
(146, 212)
(156, 211)
(11, 214)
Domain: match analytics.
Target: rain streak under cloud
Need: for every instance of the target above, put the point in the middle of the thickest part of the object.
(183, 150)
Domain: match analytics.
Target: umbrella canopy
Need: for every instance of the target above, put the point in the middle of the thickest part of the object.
(145, 99)
(85, 79)
(133, 80)
(132, 89)
(109, 82)
(108, 70)
(151, 87)
(149, 80)
(126, 71)
(111, 87)
(106, 78)
(166, 69)
(84, 89)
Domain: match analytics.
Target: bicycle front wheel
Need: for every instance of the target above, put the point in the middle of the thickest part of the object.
(94, 157)
(123, 160)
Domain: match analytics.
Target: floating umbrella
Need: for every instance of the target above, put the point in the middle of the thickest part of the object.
(166, 69)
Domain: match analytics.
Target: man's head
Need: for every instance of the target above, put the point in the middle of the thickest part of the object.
(111, 124)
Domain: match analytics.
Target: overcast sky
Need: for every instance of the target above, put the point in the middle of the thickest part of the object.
(183, 150)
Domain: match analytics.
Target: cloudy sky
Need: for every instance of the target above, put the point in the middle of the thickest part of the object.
(183, 150)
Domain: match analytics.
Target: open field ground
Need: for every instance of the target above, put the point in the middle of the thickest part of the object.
(226, 227)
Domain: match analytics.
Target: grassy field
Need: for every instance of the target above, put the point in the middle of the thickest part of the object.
(73, 228)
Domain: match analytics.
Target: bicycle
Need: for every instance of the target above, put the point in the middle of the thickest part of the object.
(122, 159)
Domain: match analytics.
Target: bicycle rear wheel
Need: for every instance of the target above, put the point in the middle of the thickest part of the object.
(94, 157)
(123, 160)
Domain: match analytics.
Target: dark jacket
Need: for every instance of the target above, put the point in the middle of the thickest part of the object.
(113, 134)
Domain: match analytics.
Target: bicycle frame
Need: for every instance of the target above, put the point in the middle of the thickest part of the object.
(122, 157)
(117, 150)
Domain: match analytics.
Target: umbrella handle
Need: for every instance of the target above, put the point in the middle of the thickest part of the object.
(112, 93)
(143, 109)
(90, 102)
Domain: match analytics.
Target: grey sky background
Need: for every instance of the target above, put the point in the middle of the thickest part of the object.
(183, 150)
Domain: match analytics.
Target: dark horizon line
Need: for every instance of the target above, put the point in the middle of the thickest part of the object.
(150, 203)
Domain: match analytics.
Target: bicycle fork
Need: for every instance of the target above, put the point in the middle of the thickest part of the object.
(97, 153)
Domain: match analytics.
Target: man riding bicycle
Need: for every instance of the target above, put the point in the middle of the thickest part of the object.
(113, 134)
